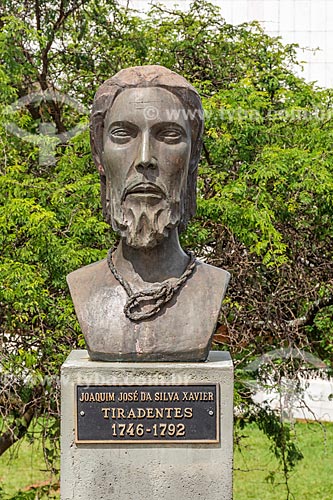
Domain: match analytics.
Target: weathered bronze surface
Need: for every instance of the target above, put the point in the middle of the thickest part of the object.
(154, 414)
(148, 303)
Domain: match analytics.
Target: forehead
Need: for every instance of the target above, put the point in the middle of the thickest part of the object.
(148, 104)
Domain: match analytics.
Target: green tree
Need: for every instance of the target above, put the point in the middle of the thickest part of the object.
(264, 200)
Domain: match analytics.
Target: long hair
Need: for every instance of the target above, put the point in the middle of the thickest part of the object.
(149, 76)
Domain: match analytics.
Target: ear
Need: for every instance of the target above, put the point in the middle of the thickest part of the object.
(97, 160)
(100, 168)
(97, 153)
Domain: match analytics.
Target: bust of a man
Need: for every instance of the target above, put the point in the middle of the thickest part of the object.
(149, 300)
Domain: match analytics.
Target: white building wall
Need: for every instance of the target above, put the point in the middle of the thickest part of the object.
(306, 22)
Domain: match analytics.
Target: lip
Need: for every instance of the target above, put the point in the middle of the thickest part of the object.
(146, 189)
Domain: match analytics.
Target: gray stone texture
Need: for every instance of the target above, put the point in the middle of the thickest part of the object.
(146, 471)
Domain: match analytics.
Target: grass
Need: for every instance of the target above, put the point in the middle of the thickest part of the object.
(312, 478)
(22, 468)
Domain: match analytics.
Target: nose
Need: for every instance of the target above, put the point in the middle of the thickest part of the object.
(145, 159)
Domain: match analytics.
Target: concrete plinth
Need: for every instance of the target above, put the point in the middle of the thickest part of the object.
(146, 471)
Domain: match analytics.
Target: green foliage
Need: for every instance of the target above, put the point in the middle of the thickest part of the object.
(283, 446)
(33, 493)
(265, 187)
(273, 424)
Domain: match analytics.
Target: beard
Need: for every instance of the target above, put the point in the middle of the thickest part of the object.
(145, 221)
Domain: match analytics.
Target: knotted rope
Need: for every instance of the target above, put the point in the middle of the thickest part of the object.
(161, 295)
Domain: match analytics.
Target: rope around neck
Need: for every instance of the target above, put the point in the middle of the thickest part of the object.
(159, 296)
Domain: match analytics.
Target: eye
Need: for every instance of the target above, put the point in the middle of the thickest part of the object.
(170, 136)
(121, 135)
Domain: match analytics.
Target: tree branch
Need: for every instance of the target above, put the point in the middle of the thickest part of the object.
(43, 77)
(8, 438)
(207, 155)
(38, 15)
(21, 426)
(308, 318)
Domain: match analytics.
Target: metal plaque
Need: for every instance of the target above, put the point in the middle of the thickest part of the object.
(147, 414)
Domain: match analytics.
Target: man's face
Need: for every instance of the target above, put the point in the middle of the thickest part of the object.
(146, 153)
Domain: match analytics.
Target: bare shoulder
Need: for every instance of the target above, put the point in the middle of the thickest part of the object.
(214, 276)
(88, 276)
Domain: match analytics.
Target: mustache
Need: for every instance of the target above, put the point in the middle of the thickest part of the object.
(142, 185)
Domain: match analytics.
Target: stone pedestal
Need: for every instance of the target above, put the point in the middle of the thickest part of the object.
(146, 471)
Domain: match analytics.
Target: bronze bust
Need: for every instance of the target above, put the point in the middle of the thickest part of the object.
(149, 300)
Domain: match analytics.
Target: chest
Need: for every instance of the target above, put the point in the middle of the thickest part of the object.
(182, 329)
